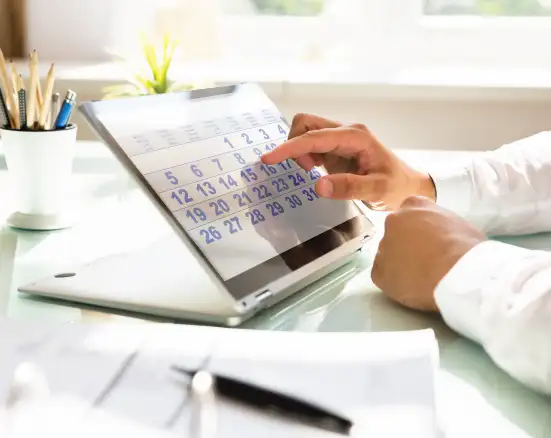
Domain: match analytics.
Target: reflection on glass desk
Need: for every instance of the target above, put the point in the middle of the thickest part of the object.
(475, 397)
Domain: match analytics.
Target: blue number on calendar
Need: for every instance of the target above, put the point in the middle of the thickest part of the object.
(284, 165)
(275, 208)
(195, 214)
(268, 170)
(281, 130)
(294, 201)
(280, 185)
(233, 224)
(248, 175)
(196, 170)
(241, 198)
(227, 182)
(217, 161)
(257, 152)
(239, 158)
(314, 174)
(262, 192)
(256, 216)
(173, 180)
(247, 139)
(220, 207)
(264, 134)
(185, 194)
(310, 194)
(211, 235)
(297, 179)
(208, 186)
(270, 147)
(228, 142)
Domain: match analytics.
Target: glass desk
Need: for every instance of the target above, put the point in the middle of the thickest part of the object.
(475, 397)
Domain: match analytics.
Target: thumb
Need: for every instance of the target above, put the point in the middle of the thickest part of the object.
(341, 186)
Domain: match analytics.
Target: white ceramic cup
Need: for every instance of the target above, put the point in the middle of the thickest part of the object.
(40, 166)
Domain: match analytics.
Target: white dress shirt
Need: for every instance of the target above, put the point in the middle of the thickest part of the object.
(499, 295)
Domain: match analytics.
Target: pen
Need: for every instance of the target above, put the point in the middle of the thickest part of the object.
(66, 109)
(21, 94)
(289, 407)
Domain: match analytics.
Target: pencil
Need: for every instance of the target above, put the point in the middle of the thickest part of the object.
(8, 91)
(46, 106)
(39, 100)
(15, 82)
(21, 94)
(4, 114)
(55, 110)
(31, 110)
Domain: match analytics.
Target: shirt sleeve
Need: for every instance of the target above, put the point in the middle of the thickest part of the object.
(502, 192)
(499, 295)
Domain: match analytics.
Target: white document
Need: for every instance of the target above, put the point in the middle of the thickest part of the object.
(384, 382)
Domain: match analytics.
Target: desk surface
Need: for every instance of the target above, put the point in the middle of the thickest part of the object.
(475, 397)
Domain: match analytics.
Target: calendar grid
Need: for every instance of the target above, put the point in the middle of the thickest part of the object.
(210, 158)
(271, 199)
(205, 138)
(213, 156)
(239, 189)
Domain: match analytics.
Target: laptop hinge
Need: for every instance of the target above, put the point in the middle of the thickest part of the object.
(261, 297)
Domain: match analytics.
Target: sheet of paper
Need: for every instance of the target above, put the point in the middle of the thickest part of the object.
(383, 381)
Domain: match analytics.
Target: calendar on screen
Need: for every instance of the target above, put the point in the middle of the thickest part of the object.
(200, 155)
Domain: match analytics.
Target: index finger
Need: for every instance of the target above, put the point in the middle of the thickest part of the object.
(345, 142)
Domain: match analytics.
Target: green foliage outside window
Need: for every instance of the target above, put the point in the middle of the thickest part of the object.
(512, 8)
(289, 7)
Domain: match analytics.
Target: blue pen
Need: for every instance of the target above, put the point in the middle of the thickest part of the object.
(66, 109)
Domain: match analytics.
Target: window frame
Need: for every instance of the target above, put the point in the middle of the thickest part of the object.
(476, 40)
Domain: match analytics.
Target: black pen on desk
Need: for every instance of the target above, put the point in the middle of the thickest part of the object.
(272, 401)
(22, 99)
(67, 106)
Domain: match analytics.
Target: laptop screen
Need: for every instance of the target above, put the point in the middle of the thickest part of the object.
(198, 154)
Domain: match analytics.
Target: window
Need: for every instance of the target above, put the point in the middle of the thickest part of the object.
(499, 8)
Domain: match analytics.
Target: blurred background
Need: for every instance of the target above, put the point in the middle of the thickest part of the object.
(428, 74)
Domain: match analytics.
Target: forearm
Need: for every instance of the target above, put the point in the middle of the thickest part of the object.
(500, 296)
(503, 192)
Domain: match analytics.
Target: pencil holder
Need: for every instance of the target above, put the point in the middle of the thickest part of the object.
(40, 167)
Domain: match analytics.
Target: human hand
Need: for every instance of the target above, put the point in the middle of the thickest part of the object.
(421, 243)
(359, 166)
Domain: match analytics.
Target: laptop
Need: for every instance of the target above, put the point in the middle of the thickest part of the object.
(246, 235)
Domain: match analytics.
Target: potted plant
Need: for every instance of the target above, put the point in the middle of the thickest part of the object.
(155, 80)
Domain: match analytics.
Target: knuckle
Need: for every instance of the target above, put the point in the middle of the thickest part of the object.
(392, 220)
(358, 126)
(299, 117)
(413, 201)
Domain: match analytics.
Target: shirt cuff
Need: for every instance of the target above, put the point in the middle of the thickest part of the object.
(453, 189)
(459, 294)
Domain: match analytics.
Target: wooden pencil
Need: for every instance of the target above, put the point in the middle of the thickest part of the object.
(46, 105)
(31, 109)
(8, 91)
(15, 82)
(39, 99)
(22, 97)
